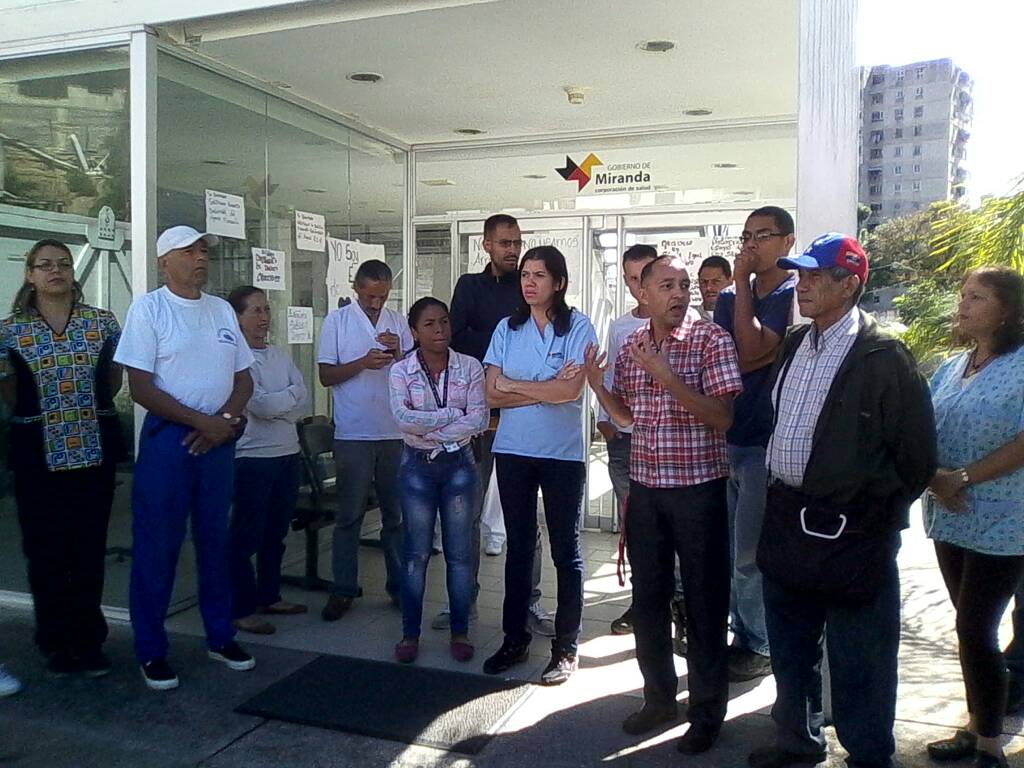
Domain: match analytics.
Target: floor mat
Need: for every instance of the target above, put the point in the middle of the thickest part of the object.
(415, 705)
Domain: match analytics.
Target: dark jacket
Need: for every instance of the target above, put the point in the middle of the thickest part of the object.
(875, 438)
(479, 303)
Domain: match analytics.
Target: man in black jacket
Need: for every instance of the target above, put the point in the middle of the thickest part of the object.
(481, 301)
(852, 447)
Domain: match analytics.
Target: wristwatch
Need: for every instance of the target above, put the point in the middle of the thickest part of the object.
(227, 416)
(965, 478)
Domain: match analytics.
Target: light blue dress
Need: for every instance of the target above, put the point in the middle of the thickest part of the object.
(972, 419)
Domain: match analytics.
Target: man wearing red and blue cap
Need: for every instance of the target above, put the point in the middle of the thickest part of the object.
(853, 445)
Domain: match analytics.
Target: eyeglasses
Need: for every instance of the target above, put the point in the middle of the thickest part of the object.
(509, 243)
(760, 237)
(49, 266)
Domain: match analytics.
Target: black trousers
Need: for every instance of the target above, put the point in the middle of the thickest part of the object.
(693, 523)
(64, 517)
(980, 587)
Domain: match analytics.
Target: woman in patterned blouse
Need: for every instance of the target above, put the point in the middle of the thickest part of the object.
(976, 510)
(437, 397)
(58, 378)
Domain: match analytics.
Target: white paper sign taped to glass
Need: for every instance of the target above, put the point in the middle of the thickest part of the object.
(343, 259)
(310, 232)
(225, 214)
(300, 325)
(268, 269)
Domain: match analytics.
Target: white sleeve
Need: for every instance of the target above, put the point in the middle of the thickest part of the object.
(328, 351)
(137, 346)
(406, 337)
(609, 373)
(243, 355)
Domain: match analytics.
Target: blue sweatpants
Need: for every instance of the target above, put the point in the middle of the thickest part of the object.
(171, 488)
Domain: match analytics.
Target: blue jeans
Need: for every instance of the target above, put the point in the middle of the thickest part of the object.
(863, 642)
(746, 493)
(358, 463)
(265, 494)
(561, 483)
(448, 484)
(171, 488)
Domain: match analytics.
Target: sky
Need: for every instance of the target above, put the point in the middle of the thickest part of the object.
(983, 37)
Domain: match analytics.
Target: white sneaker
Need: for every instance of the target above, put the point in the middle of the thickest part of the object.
(493, 545)
(9, 684)
(540, 621)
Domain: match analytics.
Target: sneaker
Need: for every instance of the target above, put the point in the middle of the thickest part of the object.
(746, 665)
(406, 651)
(158, 675)
(443, 620)
(62, 664)
(493, 545)
(254, 625)
(233, 657)
(507, 657)
(95, 663)
(336, 607)
(9, 684)
(624, 624)
(461, 650)
(540, 621)
(560, 668)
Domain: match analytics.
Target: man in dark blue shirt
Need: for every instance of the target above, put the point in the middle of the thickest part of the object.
(755, 312)
(482, 300)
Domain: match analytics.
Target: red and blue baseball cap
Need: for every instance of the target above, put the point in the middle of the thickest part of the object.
(831, 250)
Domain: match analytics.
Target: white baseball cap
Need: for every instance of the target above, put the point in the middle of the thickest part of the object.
(181, 237)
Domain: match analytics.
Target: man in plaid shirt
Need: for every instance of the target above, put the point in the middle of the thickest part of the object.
(675, 380)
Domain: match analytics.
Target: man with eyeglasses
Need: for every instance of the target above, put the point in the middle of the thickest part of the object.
(755, 312)
(481, 300)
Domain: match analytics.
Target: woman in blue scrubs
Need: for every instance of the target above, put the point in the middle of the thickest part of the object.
(534, 377)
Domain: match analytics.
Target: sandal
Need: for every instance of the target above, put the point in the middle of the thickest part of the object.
(962, 745)
(284, 608)
(406, 651)
(461, 650)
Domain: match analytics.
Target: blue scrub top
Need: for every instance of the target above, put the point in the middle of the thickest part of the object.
(542, 431)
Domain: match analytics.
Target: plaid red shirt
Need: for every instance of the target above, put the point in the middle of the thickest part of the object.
(671, 447)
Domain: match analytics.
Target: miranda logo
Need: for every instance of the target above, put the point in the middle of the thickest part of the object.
(579, 173)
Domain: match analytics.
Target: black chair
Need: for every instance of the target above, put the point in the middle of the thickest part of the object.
(315, 507)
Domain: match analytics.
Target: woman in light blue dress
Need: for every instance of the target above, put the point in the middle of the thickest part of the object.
(975, 512)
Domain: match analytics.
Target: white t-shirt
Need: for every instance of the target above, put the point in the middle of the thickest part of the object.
(620, 329)
(193, 347)
(362, 410)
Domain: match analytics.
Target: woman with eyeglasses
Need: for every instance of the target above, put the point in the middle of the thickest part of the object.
(534, 375)
(59, 380)
(437, 398)
(267, 472)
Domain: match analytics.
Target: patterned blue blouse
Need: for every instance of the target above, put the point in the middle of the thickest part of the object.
(974, 418)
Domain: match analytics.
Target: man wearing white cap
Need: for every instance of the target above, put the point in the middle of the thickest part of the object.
(188, 366)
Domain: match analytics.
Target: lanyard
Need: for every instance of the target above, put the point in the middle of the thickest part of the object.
(430, 380)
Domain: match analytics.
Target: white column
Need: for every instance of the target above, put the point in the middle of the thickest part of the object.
(829, 93)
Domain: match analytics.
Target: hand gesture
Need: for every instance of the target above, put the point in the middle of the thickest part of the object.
(211, 432)
(568, 371)
(389, 340)
(652, 360)
(948, 487)
(503, 384)
(595, 363)
(375, 359)
(743, 267)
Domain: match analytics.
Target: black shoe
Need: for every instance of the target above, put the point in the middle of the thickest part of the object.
(507, 657)
(560, 668)
(1014, 696)
(62, 664)
(624, 624)
(649, 718)
(336, 607)
(158, 675)
(233, 657)
(986, 760)
(746, 665)
(773, 757)
(95, 663)
(679, 631)
(962, 744)
(700, 738)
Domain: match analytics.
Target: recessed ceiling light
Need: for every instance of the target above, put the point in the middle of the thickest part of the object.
(386, 210)
(724, 165)
(470, 131)
(281, 84)
(534, 176)
(214, 162)
(315, 190)
(365, 77)
(656, 46)
(437, 182)
(699, 112)
(743, 192)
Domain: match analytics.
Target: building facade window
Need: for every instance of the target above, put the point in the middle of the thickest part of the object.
(897, 188)
(897, 169)
(899, 95)
(917, 130)
(876, 137)
(919, 92)
(917, 150)
(917, 167)
(918, 111)
(897, 133)
(875, 189)
(897, 152)
(877, 98)
(899, 114)
(919, 73)
(876, 154)
(877, 116)
(877, 79)
(917, 186)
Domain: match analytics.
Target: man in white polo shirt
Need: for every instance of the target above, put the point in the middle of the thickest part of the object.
(188, 366)
(358, 343)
